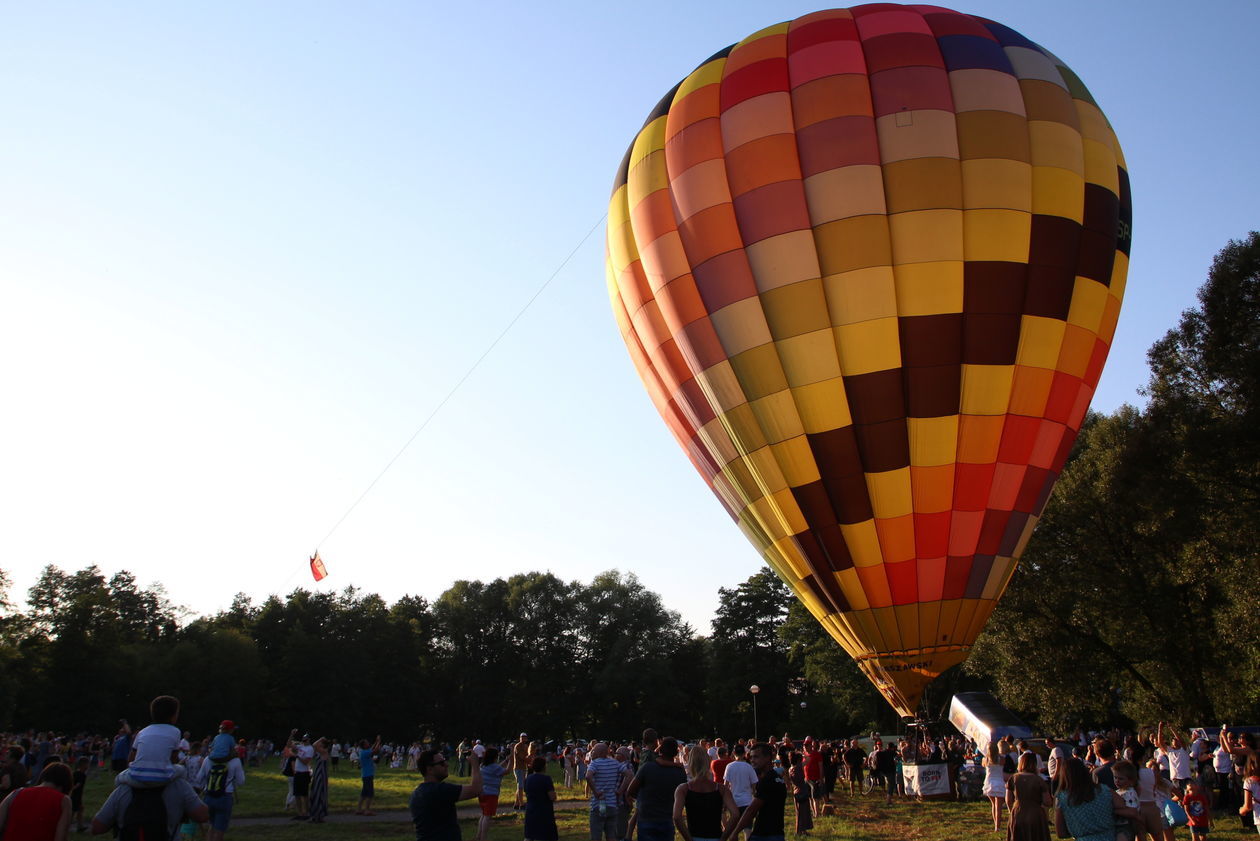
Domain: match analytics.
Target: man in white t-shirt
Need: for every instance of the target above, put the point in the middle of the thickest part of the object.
(479, 750)
(304, 755)
(741, 779)
(1179, 767)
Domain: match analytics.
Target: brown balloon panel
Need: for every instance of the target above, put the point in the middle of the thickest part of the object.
(868, 264)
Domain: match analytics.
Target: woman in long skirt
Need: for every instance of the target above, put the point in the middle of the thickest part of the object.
(319, 782)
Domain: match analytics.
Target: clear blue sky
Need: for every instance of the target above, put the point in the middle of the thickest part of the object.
(246, 248)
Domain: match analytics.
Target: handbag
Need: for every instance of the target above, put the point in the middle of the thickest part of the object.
(1174, 814)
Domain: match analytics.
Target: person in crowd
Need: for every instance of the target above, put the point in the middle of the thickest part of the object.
(1148, 780)
(1105, 756)
(154, 758)
(653, 788)
(802, 794)
(1158, 828)
(121, 748)
(603, 780)
(625, 762)
(812, 768)
(995, 782)
(432, 804)
(518, 763)
(1085, 809)
(885, 769)
(13, 774)
(319, 781)
(1126, 778)
(741, 779)
(218, 781)
(540, 798)
(1198, 805)
(78, 783)
(717, 767)
(1223, 765)
(1027, 798)
(303, 756)
(367, 776)
(854, 764)
(1251, 790)
(765, 813)
(461, 754)
(492, 774)
(1180, 766)
(700, 802)
(223, 747)
(40, 812)
(177, 801)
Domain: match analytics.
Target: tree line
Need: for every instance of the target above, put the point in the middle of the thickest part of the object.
(1136, 600)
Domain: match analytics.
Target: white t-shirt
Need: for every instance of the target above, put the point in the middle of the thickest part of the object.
(1146, 785)
(153, 746)
(305, 753)
(479, 750)
(1222, 761)
(1252, 785)
(742, 778)
(1179, 764)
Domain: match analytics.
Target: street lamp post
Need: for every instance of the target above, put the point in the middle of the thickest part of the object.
(754, 689)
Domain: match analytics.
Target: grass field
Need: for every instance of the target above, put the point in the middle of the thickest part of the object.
(858, 819)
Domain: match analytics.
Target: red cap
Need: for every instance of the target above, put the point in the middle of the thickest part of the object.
(227, 724)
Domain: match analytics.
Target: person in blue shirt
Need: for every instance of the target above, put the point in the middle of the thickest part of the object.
(492, 774)
(367, 770)
(122, 747)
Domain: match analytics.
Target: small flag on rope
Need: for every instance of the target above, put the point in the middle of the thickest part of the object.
(318, 570)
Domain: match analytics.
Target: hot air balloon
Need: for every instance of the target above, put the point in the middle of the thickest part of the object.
(868, 264)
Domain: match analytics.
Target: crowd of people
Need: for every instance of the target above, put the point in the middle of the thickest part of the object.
(1111, 786)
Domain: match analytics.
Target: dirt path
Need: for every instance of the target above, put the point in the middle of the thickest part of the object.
(395, 815)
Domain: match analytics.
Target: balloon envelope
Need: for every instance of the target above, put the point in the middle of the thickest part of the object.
(868, 264)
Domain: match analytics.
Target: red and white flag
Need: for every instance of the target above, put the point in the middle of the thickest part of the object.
(318, 570)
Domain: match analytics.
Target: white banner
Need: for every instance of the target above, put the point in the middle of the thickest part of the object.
(926, 780)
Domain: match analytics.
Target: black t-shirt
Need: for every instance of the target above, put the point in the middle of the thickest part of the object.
(886, 760)
(854, 757)
(433, 811)
(772, 793)
(657, 784)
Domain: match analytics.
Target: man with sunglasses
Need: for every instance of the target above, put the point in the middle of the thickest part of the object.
(433, 801)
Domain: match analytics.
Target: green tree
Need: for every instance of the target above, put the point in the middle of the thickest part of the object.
(747, 649)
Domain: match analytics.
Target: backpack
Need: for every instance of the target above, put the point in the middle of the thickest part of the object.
(287, 769)
(145, 817)
(1008, 765)
(217, 778)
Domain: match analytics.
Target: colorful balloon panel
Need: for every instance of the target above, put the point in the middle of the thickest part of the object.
(868, 264)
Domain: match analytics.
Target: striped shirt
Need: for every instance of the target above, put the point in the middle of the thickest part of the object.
(604, 775)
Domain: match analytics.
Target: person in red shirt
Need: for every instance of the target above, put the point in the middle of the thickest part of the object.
(718, 765)
(40, 812)
(1198, 806)
(814, 774)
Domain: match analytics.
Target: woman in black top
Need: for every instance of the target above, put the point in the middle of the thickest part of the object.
(700, 802)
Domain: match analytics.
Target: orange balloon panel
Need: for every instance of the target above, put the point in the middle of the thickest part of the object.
(868, 264)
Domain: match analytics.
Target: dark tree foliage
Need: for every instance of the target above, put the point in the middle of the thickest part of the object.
(746, 650)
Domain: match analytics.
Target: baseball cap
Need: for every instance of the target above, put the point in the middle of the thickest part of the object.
(227, 724)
